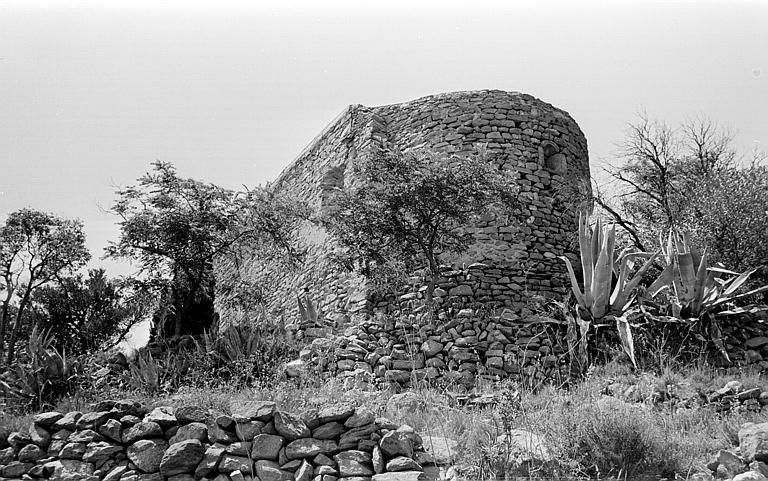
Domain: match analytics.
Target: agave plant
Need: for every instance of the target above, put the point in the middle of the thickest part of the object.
(695, 288)
(600, 264)
(698, 292)
(603, 297)
(46, 371)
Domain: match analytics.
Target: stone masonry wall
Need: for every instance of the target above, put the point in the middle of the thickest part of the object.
(474, 346)
(541, 146)
(123, 441)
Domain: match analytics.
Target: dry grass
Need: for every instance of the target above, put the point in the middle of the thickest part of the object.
(588, 433)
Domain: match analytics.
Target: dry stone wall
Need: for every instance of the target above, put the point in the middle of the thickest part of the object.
(541, 146)
(122, 441)
(472, 347)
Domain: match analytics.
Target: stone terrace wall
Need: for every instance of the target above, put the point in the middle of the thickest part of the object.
(122, 441)
(517, 132)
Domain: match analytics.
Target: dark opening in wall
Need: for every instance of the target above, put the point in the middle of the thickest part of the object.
(551, 158)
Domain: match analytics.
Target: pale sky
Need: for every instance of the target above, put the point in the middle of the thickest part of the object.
(92, 92)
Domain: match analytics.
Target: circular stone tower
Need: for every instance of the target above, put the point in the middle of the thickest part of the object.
(507, 264)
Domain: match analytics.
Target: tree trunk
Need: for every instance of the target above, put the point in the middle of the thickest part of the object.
(17, 325)
(4, 324)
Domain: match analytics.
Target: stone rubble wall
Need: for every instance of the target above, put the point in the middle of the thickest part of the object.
(474, 347)
(463, 351)
(122, 441)
(541, 146)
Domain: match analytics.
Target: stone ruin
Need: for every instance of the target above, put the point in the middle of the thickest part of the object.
(506, 265)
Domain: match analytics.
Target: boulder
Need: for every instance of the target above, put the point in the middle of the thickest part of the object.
(403, 463)
(68, 421)
(112, 430)
(290, 426)
(270, 471)
(190, 414)
(162, 416)
(231, 463)
(353, 463)
(101, 452)
(396, 443)
(31, 453)
(753, 442)
(147, 454)
(39, 435)
(142, 430)
(246, 430)
(266, 446)
(193, 430)
(210, 459)
(73, 451)
(47, 420)
(305, 471)
(309, 448)
(441, 449)
(335, 412)
(401, 476)
(252, 410)
(329, 430)
(362, 417)
(525, 449)
(181, 457)
(750, 476)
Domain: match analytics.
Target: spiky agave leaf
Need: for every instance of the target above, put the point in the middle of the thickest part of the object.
(625, 334)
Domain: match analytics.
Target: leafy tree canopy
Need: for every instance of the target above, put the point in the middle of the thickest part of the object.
(176, 227)
(415, 206)
(35, 248)
(84, 314)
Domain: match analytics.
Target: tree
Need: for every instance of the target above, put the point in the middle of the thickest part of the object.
(176, 227)
(83, 314)
(35, 248)
(659, 170)
(728, 212)
(414, 207)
